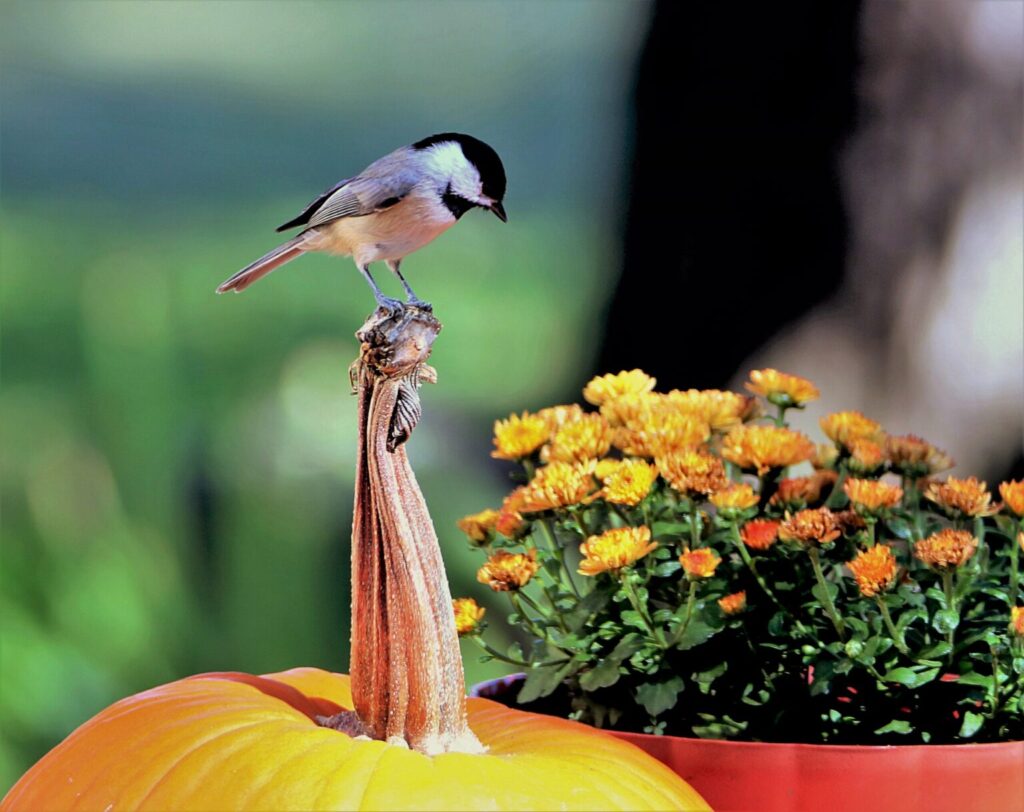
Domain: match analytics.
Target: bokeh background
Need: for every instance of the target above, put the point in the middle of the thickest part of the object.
(832, 189)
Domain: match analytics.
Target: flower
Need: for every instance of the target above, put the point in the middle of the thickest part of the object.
(507, 572)
(872, 495)
(557, 416)
(760, 534)
(693, 472)
(604, 388)
(968, 497)
(478, 526)
(519, 436)
(734, 497)
(811, 525)
(782, 389)
(866, 456)
(629, 482)
(661, 431)
(947, 549)
(803, 491)
(558, 485)
(1017, 621)
(720, 410)
(733, 604)
(874, 569)
(615, 549)
(765, 447)
(700, 563)
(587, 437)
(914, 457)
(825, 456)
(845, 427)
(510, 521)
(1013, 496)
(467, 615)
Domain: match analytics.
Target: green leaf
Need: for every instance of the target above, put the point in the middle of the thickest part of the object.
(667, 568)
(662, 529)
(974, 678)
(901, 528)
(830, 590)
(592, 603)
(896, 726)
(540, 682)
(934, 652)
(946, 620)
(633, 618)
(606, 673)
(658, 697)
(696, 633)
(910, 677)
(627, 646)
(936, 595)
(972, 723)
(909, 617)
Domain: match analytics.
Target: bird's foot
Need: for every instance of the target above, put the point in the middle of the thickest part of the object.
(417, 302)
(391, 307)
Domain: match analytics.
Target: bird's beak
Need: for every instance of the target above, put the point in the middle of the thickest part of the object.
(499, 211)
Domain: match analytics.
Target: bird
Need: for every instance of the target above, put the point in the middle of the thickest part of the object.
(395, 206)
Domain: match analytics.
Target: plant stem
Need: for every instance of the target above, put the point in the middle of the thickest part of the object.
(745, 555)
(513, 660)
(691, 599)
(830, 607)
(634, 601)
(1015, 565)
(947, 588)
(541, 612)
(564, 574)
(897, 638)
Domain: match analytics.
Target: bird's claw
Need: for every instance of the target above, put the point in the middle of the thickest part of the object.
(415, 301)
(390, 306)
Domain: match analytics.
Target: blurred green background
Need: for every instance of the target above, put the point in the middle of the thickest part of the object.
(177, 466)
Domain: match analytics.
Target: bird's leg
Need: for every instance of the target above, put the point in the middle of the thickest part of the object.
(386, 302)
(413, 299)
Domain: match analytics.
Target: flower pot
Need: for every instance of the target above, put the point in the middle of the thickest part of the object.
(776, 777)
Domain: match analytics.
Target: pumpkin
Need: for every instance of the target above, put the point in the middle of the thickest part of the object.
(400, 733)
(233, 741)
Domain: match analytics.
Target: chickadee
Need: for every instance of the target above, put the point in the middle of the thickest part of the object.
(396, 205)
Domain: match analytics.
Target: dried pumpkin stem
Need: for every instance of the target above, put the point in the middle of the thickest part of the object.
(407, 682)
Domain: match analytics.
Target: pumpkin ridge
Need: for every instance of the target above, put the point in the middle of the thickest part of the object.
(269, 687)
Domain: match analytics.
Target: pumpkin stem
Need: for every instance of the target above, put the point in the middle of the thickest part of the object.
(407, 682)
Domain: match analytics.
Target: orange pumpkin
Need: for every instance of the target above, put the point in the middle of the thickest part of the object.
(235, 741)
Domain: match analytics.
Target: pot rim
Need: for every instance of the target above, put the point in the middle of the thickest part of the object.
(488, 688)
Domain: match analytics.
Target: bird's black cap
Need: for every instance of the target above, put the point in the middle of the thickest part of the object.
(481, 155)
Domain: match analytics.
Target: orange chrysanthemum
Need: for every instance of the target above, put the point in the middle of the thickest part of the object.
(467, 615)
(734, 497)
(760, 534)
(605, 388)
(586, 438)
(961, 497)
(510, 521)
(519, 436)
(661, 431)
(809, 526)
(874, 569)
(478, 526)
(803, 491)
(557, 416)
(720, 410)
(507, 572)
(947, 549)
(866, 456)
(782, 389)
(914, 457)
(693, 472)
(629, 482)
(558, 485)
(872, 495)
(845, 427)
(700, 563)
(615, 549)
(1013, 496)
(1017, 621)
(762, 448)
(733, 604)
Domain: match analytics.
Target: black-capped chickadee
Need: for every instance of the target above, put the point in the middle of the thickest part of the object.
(396, 205)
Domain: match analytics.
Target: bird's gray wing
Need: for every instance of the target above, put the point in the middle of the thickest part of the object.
(363, 195)
(310, 209)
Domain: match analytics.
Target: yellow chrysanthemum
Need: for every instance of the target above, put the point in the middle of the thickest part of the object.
(914, 457)
(866, 456)
(872, 495)
(733, 604)
(633, 410)
(507, 572)
(606, 467)
(735, 497)
(966, 497)
(700, 563)
(604, 388)
(467, 615)
(825, 456)
(760, 534)
(519, 436)
(558, 485)
(1017, 621)
(947, 549)
(874, 569)
(1013, 496)
(762, 448)
(615, 549)
(720, 410)
(693, 472)
(586, 438)
(799, 492)
(817, 525)
(478, 526)
(845, 427)
(629, 482)
(557, 416)
(782, 389)
(661, 431)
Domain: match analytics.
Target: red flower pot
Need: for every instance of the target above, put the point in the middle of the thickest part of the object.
(771, 777)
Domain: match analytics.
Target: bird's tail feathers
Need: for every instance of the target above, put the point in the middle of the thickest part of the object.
(285, 252)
